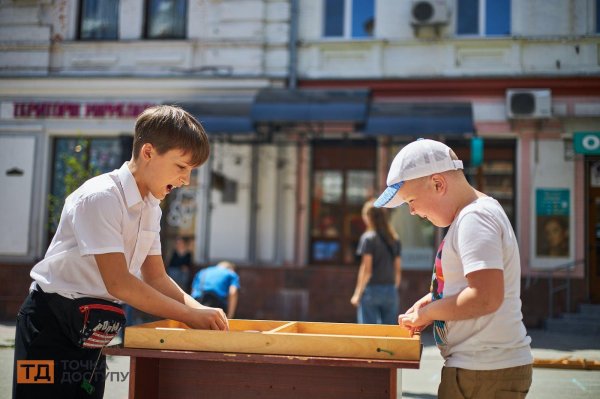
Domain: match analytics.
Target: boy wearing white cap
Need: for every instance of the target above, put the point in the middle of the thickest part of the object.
(474, 303)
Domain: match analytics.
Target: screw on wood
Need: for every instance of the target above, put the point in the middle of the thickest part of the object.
(386, 351)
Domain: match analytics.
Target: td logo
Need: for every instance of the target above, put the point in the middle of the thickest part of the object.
(35, 371)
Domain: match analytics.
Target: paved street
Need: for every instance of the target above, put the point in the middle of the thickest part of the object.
(416, 384)
(547, 383)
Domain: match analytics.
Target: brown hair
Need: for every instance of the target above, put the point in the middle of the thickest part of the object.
(169, 127)
(379, 220)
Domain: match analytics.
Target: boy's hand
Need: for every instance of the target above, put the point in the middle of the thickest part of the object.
(414, 321)
(206, 318)
(413, 318)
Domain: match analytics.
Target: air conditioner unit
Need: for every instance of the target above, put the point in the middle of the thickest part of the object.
(429, 12)
(528, 103)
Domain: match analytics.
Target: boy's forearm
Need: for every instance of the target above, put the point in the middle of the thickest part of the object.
(142, 296)
(168, 287)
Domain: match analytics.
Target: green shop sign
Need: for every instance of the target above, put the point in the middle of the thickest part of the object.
(586, 143)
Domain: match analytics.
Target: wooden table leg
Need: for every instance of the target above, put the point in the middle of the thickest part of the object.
(143, 378)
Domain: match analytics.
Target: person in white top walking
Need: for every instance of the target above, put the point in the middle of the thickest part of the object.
(474, 303)
(107, 251)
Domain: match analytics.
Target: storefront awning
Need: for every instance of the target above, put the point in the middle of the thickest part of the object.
(310, 105)
(222, 117)
(419, 118)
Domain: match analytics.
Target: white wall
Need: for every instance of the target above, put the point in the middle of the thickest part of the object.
(277, 204)
(16, 153)
(230, 222)
(267, 204)
(237, 37)
(548, 37)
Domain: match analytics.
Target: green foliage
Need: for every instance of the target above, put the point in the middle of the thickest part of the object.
(77, 169)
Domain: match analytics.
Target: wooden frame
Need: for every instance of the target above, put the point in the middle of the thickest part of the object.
(266, 359)
(342, 340)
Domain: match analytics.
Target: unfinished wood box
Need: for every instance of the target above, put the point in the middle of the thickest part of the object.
(344, 340)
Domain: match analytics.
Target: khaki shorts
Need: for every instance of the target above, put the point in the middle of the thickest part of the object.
(509, 383)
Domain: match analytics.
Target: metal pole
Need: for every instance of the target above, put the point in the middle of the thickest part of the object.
(254, 207)
(550, 297)
(293, 45)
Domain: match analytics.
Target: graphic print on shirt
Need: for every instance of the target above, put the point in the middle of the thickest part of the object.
(437, 292)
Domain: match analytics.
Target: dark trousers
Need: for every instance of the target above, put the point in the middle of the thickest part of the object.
(40, 335)
(213, 300)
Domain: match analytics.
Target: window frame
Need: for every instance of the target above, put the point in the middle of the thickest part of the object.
(80, 9)
(481, 21)
(347, 26)
(146, 24)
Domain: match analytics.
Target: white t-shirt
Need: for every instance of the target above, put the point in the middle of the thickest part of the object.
(480, 238)
(106, 214)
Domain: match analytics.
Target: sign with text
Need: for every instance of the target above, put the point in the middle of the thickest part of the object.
(75, 110)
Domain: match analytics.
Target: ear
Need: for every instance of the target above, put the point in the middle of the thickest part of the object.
(147, 151)
(439, 183)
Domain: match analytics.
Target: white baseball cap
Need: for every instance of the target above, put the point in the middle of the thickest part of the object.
(420, 158)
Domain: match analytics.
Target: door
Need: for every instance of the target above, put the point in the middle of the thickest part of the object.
(16, 180)
(593, 227)
(343, 179)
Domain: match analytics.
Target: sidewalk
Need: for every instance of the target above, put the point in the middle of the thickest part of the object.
(547, 383)
(416, 384)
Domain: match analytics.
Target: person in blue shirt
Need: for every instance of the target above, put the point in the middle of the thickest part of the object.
(218, 286)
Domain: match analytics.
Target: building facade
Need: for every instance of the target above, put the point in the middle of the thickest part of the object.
(306, 103)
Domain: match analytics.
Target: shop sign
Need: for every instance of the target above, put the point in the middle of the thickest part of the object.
(65, 110)
(586, 143)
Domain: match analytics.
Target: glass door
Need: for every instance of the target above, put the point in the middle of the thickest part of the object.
(593, 228)
(343, 179)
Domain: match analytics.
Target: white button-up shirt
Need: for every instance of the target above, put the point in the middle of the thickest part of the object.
(106, 214)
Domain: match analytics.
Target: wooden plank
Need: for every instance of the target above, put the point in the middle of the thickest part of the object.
(379, 344)
(118, 350)
(567, 363)
(188, 379)
(291, 327)
(374, 330)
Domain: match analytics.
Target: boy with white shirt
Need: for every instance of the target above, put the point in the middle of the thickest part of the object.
(107, 251)
(474, 302)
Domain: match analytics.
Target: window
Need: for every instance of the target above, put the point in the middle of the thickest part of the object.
(76, 160)
(166, 19)
(497, 175)
(349, 18)
(99, 20)
(483, 17)
(343, 179)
